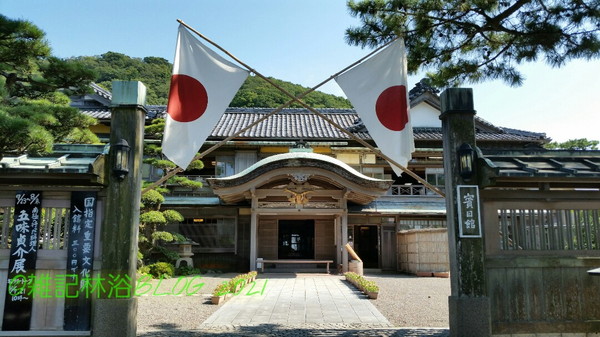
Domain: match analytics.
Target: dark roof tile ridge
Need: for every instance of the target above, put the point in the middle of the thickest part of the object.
(101, 91)
(288, 110)
(524, 132)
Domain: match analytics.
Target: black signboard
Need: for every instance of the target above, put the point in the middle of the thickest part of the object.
(80, 259)
(21, 266)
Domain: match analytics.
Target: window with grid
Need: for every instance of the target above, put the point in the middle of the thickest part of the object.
(214, 235)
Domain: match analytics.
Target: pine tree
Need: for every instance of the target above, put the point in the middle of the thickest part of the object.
(34, 90)
(477, 40)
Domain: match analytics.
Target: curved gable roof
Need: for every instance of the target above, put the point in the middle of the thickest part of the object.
(328, 170)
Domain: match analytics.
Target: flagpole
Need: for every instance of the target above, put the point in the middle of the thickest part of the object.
(297, 99)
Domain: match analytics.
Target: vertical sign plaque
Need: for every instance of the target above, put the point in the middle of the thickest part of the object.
(80, 258)
(469, 218)
(21, 266)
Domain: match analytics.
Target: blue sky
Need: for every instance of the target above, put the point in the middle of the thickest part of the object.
(301, 41)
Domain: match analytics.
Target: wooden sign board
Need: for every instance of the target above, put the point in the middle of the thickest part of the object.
(469, 215)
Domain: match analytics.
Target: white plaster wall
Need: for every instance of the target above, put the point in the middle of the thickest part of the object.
(425, 116)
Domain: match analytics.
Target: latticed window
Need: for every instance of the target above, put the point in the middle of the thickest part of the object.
(214, 235)
(549, 229)
(404, 224)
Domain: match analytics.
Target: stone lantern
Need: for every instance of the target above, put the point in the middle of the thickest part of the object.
(185, 253)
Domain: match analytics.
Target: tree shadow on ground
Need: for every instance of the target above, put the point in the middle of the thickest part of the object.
(273, 330)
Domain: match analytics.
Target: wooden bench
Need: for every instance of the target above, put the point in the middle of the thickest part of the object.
(262, 262)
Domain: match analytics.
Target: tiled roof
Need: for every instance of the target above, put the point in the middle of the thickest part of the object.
(54, 163)
(299, 123)
(101, 91)
(100, 113)
(68, 165)
(543, 163)
(290, 124)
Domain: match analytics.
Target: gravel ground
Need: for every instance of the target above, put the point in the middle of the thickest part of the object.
(406, 301)
(410, 301)
(177, 312)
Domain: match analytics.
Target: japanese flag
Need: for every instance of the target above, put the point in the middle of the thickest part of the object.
(377, 90)
(202, 86)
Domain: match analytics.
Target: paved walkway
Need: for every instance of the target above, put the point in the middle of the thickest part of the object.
(285, 300)
(303, 306)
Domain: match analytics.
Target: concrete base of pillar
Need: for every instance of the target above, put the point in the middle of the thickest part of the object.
(469, 316)
(114, 317)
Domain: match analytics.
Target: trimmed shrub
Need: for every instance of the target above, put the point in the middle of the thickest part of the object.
(187, 270)
(221, 289)
(161, 269)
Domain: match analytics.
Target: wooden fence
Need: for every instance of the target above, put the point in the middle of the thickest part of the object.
(539, 247)
(51, 263)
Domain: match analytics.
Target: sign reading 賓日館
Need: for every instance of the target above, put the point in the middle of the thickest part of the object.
(469, 215)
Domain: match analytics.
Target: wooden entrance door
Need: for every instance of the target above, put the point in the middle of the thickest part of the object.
(296, 239)
(366, 245)
(388, 244)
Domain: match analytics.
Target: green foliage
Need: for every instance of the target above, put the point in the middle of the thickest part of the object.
(574, 144)
(34, 106)
(154, 72)
(370, 286)
(161, 269)
(160, 235)
(18, 134)
(152, 199)
(474, 41)
(160, 163)
(168, 254)
(186, 182)
(152, 150)
(186, 271)
(221, 289)
(361, 282)
(81, 136)
(153, 217)
(196, 165)
(256, 92)
(144, 270)
(234, 284)
(27, 67)
(156, 128)
(172, 216)
(351, 276)
(179, 238)
(33, 126)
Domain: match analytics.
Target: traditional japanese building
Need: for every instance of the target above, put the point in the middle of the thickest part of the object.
(296, 188)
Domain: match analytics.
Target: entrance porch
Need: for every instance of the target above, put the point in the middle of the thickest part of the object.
(299, 206)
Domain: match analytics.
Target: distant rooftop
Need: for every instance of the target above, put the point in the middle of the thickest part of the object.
(300, 123)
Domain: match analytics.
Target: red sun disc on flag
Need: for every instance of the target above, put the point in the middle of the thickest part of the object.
(187, 98)
(392, 108)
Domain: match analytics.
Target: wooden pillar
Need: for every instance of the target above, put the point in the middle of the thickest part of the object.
(469, 305)
(338, 240)
(344, 241)
(116, 309)
(344, 225)
(253, 232)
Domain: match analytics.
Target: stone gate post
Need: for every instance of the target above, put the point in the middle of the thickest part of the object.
(469, 305)
(115, 311)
